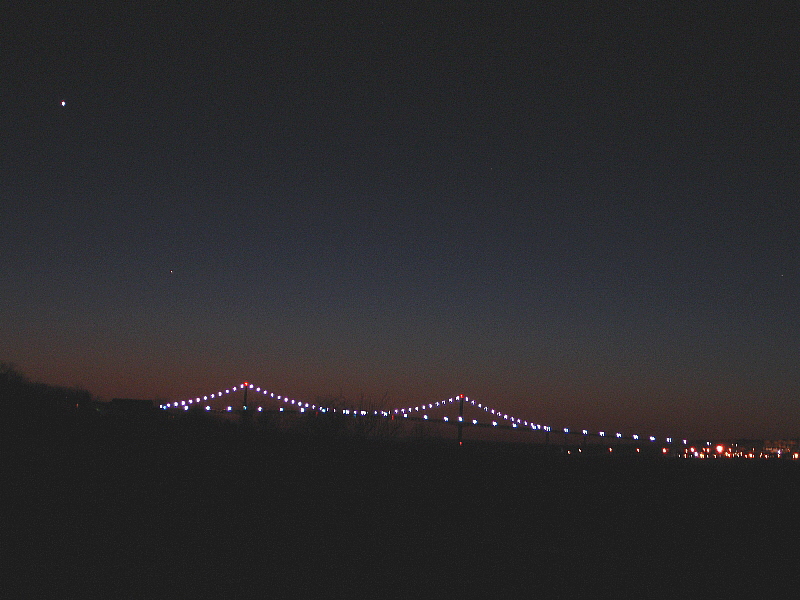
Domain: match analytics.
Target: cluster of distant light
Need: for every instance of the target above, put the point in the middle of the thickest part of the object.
(708, 450)
(515, 422)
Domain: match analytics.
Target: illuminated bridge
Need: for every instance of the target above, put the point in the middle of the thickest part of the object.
(247, 396)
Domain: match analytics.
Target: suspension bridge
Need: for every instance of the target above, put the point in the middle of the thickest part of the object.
(248, 398)
(483, 416)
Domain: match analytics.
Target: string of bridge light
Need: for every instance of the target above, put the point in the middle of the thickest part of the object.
(186, 404)
(405, 412)
(517, 422)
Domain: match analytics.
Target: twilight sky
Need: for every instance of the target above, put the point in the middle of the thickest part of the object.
(585, 213)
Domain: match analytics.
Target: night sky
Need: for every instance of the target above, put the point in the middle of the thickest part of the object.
(585, 213)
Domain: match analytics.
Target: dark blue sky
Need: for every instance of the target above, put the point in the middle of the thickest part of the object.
(585, 214)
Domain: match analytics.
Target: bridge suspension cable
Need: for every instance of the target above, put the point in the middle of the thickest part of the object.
(496, 417)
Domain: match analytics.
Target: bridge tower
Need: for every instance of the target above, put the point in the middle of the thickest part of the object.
(246, 416)
(460, 417)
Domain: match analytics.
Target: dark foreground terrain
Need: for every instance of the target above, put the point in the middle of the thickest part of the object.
(148, 508)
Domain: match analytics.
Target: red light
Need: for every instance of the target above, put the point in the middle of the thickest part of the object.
(246, 383)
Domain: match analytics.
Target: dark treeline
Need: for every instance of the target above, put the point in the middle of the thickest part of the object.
(20, 394)
(144, 506)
